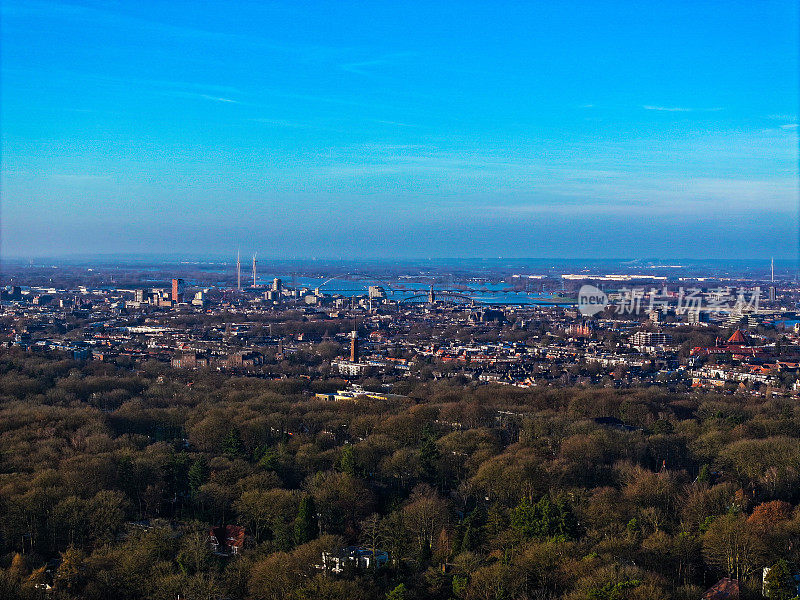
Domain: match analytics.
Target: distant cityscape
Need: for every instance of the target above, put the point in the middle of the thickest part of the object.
(486, 323)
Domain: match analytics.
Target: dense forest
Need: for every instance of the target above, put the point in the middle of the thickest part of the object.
(111, 479)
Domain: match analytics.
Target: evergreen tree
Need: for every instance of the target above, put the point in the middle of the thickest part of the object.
(779, 582)
(546, 518)
(305, 525)
(471, 532)
(347, 461)
(198, 473)
(232, 444)
(428, 455)
(268, 459)
(400, 592)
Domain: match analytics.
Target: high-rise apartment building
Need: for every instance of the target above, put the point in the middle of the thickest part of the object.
(177, 291)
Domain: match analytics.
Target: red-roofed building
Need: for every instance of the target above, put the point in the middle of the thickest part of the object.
(738, 339)
(724, 589)
(227, 540)
(739, 345)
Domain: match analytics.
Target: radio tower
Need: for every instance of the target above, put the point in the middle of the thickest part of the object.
(254, 269)
(772, 280)
(238, 271)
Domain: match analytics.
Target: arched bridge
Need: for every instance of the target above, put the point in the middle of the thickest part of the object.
(433, 295)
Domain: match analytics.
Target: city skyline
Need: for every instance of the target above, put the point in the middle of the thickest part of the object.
(331, 130)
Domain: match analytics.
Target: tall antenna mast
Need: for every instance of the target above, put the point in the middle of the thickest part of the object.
(772, 265)
(238, 271)
(254, 269)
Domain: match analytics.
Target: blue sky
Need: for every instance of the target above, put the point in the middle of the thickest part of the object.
(383, 129)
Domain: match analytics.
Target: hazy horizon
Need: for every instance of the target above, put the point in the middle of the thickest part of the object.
(246, 260)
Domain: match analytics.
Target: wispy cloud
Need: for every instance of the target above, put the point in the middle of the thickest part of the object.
(789, 126)
(219, 99)
(395, 123)
(678, 108)
(666, 108)
(362, 68)
(286, 124)
(388, 148)
(279, 122)
(637, 194)
(107, 17)
(175, 88)
(176, 92)
(80, 178)
(367, 67)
